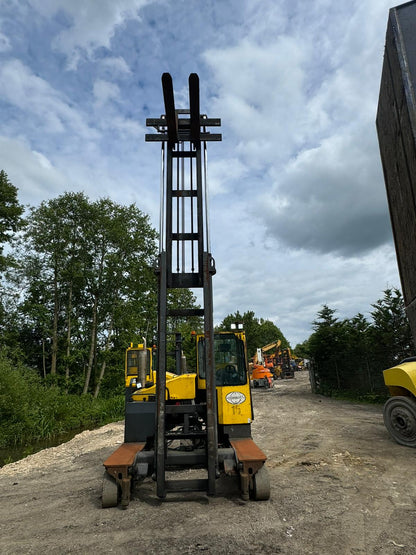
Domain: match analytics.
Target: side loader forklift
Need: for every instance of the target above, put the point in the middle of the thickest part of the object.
(208, 412)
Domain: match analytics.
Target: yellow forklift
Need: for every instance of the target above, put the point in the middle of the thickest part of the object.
(206, 414)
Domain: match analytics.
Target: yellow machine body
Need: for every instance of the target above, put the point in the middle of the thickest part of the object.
(181, 388)
(234, 404)
(401, 379)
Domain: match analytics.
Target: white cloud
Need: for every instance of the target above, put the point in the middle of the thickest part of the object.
(260, 91)
(30, 171)
(116, 64)
(302, 106)
(38, 99)
(289, 287)
(92, 24)
(4, 43)
(105, 91)
(222, 172)
(336, 191)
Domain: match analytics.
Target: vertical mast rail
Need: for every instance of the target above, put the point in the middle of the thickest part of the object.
(175, 129)
(162, 246)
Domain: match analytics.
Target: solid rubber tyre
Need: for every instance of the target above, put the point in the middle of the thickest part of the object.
(261, 485)
(110, 492)
(400, 419)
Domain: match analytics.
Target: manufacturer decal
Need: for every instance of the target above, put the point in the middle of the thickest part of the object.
(235, 398)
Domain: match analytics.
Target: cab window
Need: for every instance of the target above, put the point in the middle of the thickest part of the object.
(229, 360)
(133, 362)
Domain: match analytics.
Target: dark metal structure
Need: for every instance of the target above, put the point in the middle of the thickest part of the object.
(396, 128)
(185, 261)
(176, 424)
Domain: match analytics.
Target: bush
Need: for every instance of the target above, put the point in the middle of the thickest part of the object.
(30, 411)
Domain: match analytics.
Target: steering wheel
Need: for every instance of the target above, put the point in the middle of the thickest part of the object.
(230, 373)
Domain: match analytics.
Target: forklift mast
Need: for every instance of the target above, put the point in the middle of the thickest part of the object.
(185, 260)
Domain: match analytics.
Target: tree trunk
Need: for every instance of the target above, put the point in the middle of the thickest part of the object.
(43, 358)
(92, 347)
(68, 336)
(104, 364)
(55, 323)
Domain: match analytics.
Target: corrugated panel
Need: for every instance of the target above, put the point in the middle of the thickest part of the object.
(396, 128)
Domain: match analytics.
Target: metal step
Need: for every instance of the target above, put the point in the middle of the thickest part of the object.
(185, 435)
(186, 312)
(194, 484)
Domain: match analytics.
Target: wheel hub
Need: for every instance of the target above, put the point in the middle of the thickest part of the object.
(403, 423)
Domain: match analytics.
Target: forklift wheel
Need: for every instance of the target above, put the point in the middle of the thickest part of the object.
(261, 485)
(400, 419)
(110, 492)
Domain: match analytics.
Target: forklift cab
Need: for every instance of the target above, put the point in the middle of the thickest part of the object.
(230, 363)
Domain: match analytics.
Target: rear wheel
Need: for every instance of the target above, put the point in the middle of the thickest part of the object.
(400, 419)
(261, 485)
(110, 491)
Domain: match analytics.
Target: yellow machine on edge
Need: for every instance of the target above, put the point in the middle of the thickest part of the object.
(400, 408)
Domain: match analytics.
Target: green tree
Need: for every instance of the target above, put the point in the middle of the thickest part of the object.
(390, 333)
(350, 355)
(95, 278)
(325, 345)
(324, 342)
(259, 332)
(10, 214)
(10, 222)
(302, 349)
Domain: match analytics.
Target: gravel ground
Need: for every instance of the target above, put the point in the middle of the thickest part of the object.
(339, 485)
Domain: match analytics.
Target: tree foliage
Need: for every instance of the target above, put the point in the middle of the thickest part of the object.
(89, 287)
(85, 288)
(350, 355)
(259, 332)
(10, 214)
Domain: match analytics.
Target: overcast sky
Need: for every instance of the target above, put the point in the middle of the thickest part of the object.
(298, 209)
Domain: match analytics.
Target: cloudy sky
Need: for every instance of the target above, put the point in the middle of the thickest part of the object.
(298, 209)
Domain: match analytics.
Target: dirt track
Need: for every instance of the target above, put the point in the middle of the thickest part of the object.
(340, 485)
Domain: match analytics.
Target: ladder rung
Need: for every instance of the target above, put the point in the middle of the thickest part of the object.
(153, 137)
(184, 193)
(184, 122)
(196, 484)
(185, 236)
(178, 458)
(184, 154)
(185, 435)
(187, 280)
(185, 312)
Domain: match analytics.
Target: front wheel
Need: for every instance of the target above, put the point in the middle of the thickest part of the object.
(261, 485)
(110, 494)
(400, 419)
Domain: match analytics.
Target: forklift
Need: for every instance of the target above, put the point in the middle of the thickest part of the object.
(208, 412)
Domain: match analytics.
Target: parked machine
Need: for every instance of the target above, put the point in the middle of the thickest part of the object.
(400, 409)
(286, 364)
(270, 354)
(260, 374)
(396, 128)
(206, 414)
